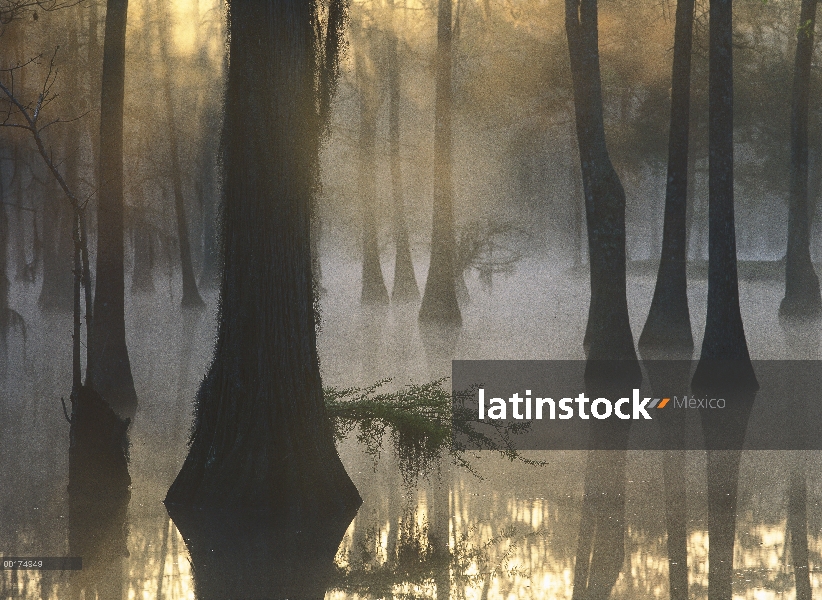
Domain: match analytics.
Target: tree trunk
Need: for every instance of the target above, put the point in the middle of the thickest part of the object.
(724, 359)
(94, 59)
(669, 320)
(802, 296)
(612, 363)
(374, 291)
(262, 443)
(724, 364)
(142, 274)
(439, 300)
(8, 317)
(405, 282)
(191, 295)
(55, 295)
(608, 334)
(4, 278)
(109, 367)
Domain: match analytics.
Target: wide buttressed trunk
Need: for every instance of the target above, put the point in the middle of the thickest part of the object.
(802, 296)
(109, 368)
(608, 334)
(262, 442)
(439, 300)
(669, 320)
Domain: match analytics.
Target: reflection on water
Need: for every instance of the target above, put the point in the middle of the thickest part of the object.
(512, 535)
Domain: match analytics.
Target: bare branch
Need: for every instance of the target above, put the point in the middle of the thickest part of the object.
(14, 10)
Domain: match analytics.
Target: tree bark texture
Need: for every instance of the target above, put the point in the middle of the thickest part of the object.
(261, 441)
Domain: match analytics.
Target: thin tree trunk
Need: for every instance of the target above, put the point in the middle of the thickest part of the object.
(58, 225)
(405, 282)
(142, 274)
(8, 316)
(374, 291)
(690, 204)
(94, 93)
(669, 320)
(439, 300)
(262, 445)
(109, 367)
(802, 296)
(191, 295)
(76, 365)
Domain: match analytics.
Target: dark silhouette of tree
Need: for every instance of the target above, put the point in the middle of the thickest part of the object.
(109, 369)
(283, 563)
(405, 282)
(667, 332)
(8, 316)
(612, 364)
(608, 334)
(142, 274)
(98, 495)
(261, 443)
(373, 284)
(669, 321)
(439, 300)
(56, 293)
(724, 357)
(802, 295)
(191, 295)
(724, 366)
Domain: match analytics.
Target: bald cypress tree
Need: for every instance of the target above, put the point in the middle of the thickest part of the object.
(608, 335)
(802, 296)
(405, 282)
(261, 441)
(109, 369)
(669, 320)
(439, 300)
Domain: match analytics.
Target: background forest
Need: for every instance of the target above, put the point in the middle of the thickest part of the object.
(399, 120)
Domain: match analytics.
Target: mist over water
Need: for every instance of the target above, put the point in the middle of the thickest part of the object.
(514, 532)
(523, 518)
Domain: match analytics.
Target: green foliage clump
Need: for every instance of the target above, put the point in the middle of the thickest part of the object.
(423, 422)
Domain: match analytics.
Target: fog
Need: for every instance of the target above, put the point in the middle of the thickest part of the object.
(510, 529)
